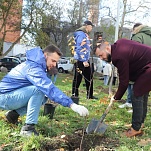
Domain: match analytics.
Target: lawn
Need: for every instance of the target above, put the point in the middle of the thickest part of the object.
(66, 131)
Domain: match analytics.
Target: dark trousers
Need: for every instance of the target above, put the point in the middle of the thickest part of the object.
(139, 110)
(114, 80)
(87, 73)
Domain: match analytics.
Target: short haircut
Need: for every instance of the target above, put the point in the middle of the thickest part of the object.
(51, 49)
(136, 25)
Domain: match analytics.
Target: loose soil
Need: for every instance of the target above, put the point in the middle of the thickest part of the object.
(80, 141)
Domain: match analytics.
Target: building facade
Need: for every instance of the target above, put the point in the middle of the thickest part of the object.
(10, 25)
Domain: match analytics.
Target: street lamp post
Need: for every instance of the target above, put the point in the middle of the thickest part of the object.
(117, 21)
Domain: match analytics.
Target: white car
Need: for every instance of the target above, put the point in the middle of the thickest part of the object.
(64, 65)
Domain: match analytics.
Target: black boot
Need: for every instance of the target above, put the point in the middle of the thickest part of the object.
(28, 130)
(12, 117)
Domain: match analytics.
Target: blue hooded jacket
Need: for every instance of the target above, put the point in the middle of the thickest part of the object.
(82, 53)
(33, 72)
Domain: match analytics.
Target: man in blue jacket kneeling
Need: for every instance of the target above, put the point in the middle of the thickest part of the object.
(24, 89)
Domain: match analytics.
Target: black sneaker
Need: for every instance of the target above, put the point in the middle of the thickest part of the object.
(92, 97)
(28, 130)
(12, 117)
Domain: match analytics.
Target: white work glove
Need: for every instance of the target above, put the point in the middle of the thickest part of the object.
(83, 111)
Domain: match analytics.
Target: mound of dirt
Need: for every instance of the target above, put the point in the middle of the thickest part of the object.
(80, 141)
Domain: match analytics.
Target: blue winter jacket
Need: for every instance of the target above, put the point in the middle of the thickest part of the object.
(33, 72)
(82, 53)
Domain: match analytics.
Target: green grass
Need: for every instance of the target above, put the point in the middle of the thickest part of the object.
(66, 121)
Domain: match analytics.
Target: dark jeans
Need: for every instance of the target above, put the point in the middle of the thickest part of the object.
(129, 93)
(87, 73)
(139, 110)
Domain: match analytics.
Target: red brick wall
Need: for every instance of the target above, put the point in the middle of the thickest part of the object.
(12, 33)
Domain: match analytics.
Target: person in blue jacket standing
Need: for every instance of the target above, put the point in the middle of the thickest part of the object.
(26, 87)
(82, 56)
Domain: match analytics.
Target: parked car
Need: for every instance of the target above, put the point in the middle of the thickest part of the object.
(9, 62)
(22, 57)
(64, 65)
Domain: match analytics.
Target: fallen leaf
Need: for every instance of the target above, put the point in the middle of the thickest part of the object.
(144, 142)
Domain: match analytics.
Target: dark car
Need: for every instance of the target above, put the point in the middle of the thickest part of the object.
(9, 62)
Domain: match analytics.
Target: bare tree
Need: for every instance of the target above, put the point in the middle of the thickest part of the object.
(78, 12)
(129, 9)
(130, 12)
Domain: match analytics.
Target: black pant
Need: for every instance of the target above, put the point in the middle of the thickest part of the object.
(114, 80)
(87, 73)
(139, 110)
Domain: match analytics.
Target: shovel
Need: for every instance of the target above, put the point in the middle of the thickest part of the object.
(98, 126)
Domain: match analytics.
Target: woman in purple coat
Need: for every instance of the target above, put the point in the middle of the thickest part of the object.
(133, 61)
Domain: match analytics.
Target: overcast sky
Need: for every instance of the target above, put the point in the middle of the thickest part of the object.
(146, 20)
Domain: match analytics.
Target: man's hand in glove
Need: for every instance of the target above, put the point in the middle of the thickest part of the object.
(79, 109)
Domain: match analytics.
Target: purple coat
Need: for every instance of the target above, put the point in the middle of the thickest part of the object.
(133, 61)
